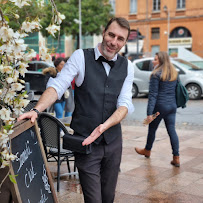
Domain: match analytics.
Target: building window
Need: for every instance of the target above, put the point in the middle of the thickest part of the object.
(156, 33)
(112, 2)
(180, 4)
(180, 32)
(156, 5)
(133, 6)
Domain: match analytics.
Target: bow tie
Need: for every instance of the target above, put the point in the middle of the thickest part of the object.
(102, 59)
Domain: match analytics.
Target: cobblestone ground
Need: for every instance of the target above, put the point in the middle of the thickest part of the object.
(152, 180)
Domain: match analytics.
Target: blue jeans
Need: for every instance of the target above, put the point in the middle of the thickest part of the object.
(168, 113)
(59, 108)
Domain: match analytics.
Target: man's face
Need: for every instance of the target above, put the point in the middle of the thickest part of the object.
(113, 40)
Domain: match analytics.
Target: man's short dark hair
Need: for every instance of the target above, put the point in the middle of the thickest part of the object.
(121, 21)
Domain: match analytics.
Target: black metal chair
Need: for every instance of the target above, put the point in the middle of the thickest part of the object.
(30, 106)
(50, 129)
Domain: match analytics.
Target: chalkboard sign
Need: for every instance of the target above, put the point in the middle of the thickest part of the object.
(34, 183)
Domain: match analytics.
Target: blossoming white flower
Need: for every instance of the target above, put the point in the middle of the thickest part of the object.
(16, 86)
(9, 97)
(6, 33)
(24, 102)
(23, 68)
(52, 29)
(19, 46)
(18, 110)
(4, 163)
(35, 24)
(6, 69)
(23, 35)
(20, 3)
(16, 16)
(27, 26)
(5, 114)
(15, 75)
(9, 80)
(43, 50)
(59, 17)
(7, 47)
(29, 55)
(47, 57)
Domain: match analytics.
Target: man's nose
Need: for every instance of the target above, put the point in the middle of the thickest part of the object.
(114, 41)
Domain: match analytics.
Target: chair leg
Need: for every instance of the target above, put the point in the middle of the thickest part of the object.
(68, 165)
(58, 175)
(74, 166)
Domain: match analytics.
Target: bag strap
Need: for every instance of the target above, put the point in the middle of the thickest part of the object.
(178, 79)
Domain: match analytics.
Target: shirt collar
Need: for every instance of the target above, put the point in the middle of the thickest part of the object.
(98, 54)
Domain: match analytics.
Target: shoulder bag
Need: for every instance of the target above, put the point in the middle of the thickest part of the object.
(181, 95)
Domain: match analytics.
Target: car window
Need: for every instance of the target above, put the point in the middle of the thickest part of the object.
(180, 71)
(145, 65)
(186, 64)
(32, 67)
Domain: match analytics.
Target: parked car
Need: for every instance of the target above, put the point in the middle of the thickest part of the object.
(191, 76)
(35, 77)
(198, 63)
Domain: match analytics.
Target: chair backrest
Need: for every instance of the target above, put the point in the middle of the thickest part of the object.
(50, 128)
(30, 106)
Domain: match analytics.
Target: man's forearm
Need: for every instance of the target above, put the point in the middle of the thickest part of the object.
(116, 117)
(47, 99)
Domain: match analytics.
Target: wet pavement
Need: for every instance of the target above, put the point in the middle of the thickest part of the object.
(144, 180)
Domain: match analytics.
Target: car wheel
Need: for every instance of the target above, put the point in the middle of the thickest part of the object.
(194, 91)
(134, 91)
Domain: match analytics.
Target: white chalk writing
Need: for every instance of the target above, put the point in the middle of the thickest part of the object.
(29, 176)
(45, 180)
(24, 155)
(43, 198)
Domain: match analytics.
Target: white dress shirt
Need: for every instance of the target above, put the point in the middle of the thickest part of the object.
(75, 68)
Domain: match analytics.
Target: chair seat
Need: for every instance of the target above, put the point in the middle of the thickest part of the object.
(54, 151)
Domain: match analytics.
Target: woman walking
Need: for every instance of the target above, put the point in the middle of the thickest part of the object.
(162, 99)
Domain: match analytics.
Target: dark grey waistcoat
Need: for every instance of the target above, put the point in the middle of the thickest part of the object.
(96, 98)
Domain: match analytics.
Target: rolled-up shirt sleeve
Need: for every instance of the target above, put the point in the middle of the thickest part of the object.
(71, 70)
(125, 97)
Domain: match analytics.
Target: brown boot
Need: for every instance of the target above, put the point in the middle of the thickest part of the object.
(144, 152)
(176, 161)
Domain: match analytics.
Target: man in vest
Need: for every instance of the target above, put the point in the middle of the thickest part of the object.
(103, 83)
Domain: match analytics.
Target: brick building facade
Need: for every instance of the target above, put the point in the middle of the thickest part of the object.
(153, 19)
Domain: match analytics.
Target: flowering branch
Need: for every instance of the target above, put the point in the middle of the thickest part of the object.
(14, 58)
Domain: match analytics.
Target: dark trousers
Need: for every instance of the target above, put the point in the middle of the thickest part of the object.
(168, 113)
(98, 171)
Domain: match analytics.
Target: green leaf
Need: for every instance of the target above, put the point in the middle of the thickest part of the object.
(12, 178)
(6, 18)
(7, 127)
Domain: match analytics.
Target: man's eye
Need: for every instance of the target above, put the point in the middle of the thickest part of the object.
(121, 39)
(111, 35)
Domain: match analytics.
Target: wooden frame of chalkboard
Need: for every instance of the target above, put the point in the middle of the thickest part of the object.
(34, 181)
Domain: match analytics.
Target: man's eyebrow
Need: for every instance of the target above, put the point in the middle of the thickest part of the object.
(121, 37)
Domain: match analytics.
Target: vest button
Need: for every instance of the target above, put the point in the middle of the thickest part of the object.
(107, 86)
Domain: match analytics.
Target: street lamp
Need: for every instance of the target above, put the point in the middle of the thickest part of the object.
(166, 9)
(79, 21)
(80, 26)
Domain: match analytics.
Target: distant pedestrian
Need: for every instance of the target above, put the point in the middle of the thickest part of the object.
(59, 104)
(162, 99)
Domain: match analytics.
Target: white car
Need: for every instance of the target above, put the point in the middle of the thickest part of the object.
(191, 76)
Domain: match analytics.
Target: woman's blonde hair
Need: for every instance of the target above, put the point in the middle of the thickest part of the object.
(168, 71)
